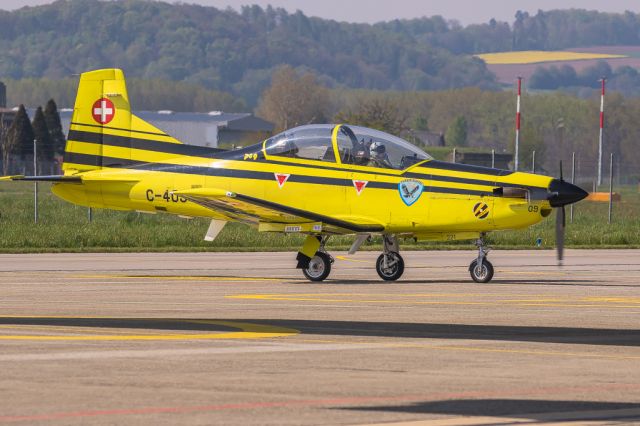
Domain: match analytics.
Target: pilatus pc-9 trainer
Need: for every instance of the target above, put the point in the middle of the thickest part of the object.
(318, 180)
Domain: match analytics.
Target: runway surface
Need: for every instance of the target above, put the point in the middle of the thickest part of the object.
(241, 338)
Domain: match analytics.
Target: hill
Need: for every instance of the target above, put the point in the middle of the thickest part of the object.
(222, 49)
(236, 52)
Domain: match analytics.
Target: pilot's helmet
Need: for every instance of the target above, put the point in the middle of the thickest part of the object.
(377, 149)
(361, 157)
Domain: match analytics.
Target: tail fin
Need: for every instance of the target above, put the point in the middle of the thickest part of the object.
(103, 132)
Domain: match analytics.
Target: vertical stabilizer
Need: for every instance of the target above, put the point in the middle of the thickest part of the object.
(103, 131)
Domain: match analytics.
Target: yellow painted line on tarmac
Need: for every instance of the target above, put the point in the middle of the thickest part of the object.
(249, 331)
(352, 260)
(180, 277)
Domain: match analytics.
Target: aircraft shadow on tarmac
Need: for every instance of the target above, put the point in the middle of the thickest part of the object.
(566, 335)
(542, 410)
(536, 281)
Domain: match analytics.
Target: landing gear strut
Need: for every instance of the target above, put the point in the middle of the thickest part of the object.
(319, 266)
(390, 264)
(481, 269)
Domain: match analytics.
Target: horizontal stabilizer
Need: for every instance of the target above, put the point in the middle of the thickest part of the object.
(51, 178)
(86, 177)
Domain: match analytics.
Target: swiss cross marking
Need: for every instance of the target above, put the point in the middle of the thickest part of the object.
(103, 111)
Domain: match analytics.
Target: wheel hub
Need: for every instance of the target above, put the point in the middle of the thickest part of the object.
(316, 267)
(480, 271)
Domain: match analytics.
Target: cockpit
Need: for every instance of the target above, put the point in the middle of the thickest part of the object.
(345, 144)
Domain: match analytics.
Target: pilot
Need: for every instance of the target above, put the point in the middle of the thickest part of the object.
(360, 153)
(379, 157)
(362, 157)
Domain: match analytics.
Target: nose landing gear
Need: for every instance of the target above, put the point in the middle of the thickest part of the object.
(481, 269)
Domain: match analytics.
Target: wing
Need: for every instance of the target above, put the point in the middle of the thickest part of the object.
(254, 211)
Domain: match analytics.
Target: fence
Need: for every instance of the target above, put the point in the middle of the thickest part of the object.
(19, 165)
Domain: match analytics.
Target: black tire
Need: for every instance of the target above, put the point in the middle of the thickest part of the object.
(319, 267)
(395, 271)
(479, 276)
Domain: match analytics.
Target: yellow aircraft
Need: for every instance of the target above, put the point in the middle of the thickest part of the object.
(318, 180)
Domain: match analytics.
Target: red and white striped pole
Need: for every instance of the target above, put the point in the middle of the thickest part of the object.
(601, 128)
(517, 148)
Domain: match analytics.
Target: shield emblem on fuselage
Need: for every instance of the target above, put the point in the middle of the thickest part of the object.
(410, 190)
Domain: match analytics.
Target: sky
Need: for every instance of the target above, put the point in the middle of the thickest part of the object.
(464, 11)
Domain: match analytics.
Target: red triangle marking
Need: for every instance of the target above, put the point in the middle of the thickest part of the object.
(359, 185)
(281, 178)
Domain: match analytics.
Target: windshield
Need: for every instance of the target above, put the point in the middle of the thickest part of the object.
(368, 147)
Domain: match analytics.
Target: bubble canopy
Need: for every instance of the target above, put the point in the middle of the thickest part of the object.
(355, 145)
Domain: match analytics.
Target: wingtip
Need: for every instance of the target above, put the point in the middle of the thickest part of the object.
(14, 177)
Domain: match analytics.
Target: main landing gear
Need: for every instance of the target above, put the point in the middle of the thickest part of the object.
(481, 269)
(316, 263)
(390, 265)
(319, 265)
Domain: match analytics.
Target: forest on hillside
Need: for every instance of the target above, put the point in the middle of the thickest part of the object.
(237, 52)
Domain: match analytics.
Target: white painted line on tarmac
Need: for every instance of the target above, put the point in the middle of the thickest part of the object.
(147, 353)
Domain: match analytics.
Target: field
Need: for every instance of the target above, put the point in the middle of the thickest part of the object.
(538, 56)
(63, 227)
(524, 63)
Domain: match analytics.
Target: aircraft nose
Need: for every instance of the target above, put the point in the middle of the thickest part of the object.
(562, 193)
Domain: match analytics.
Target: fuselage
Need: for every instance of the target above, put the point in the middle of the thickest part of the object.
(447, 207)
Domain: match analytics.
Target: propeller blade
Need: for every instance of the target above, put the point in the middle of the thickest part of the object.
(561, 178)
(560, 226)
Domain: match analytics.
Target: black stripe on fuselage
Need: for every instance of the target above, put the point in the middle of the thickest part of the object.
(98, 126)
(94, 160)
(457, 167)
(210, 153)
(143, 144)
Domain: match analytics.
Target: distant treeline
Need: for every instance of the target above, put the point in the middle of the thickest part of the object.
(624, 79)
(546, 30)
(221, 49)
(149, 95)
(237, 52)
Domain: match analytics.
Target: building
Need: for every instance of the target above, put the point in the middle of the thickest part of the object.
(214, 129)
(501, 161)
(3, 95)
(6, 116)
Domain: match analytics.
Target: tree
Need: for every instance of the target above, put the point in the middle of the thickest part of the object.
(377, 113)
(20, 136)
(4, 146)
(457, 132)
(293, 100)
(52, 118)
(44, 144)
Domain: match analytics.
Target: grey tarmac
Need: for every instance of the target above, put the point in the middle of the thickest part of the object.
(243, 339)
